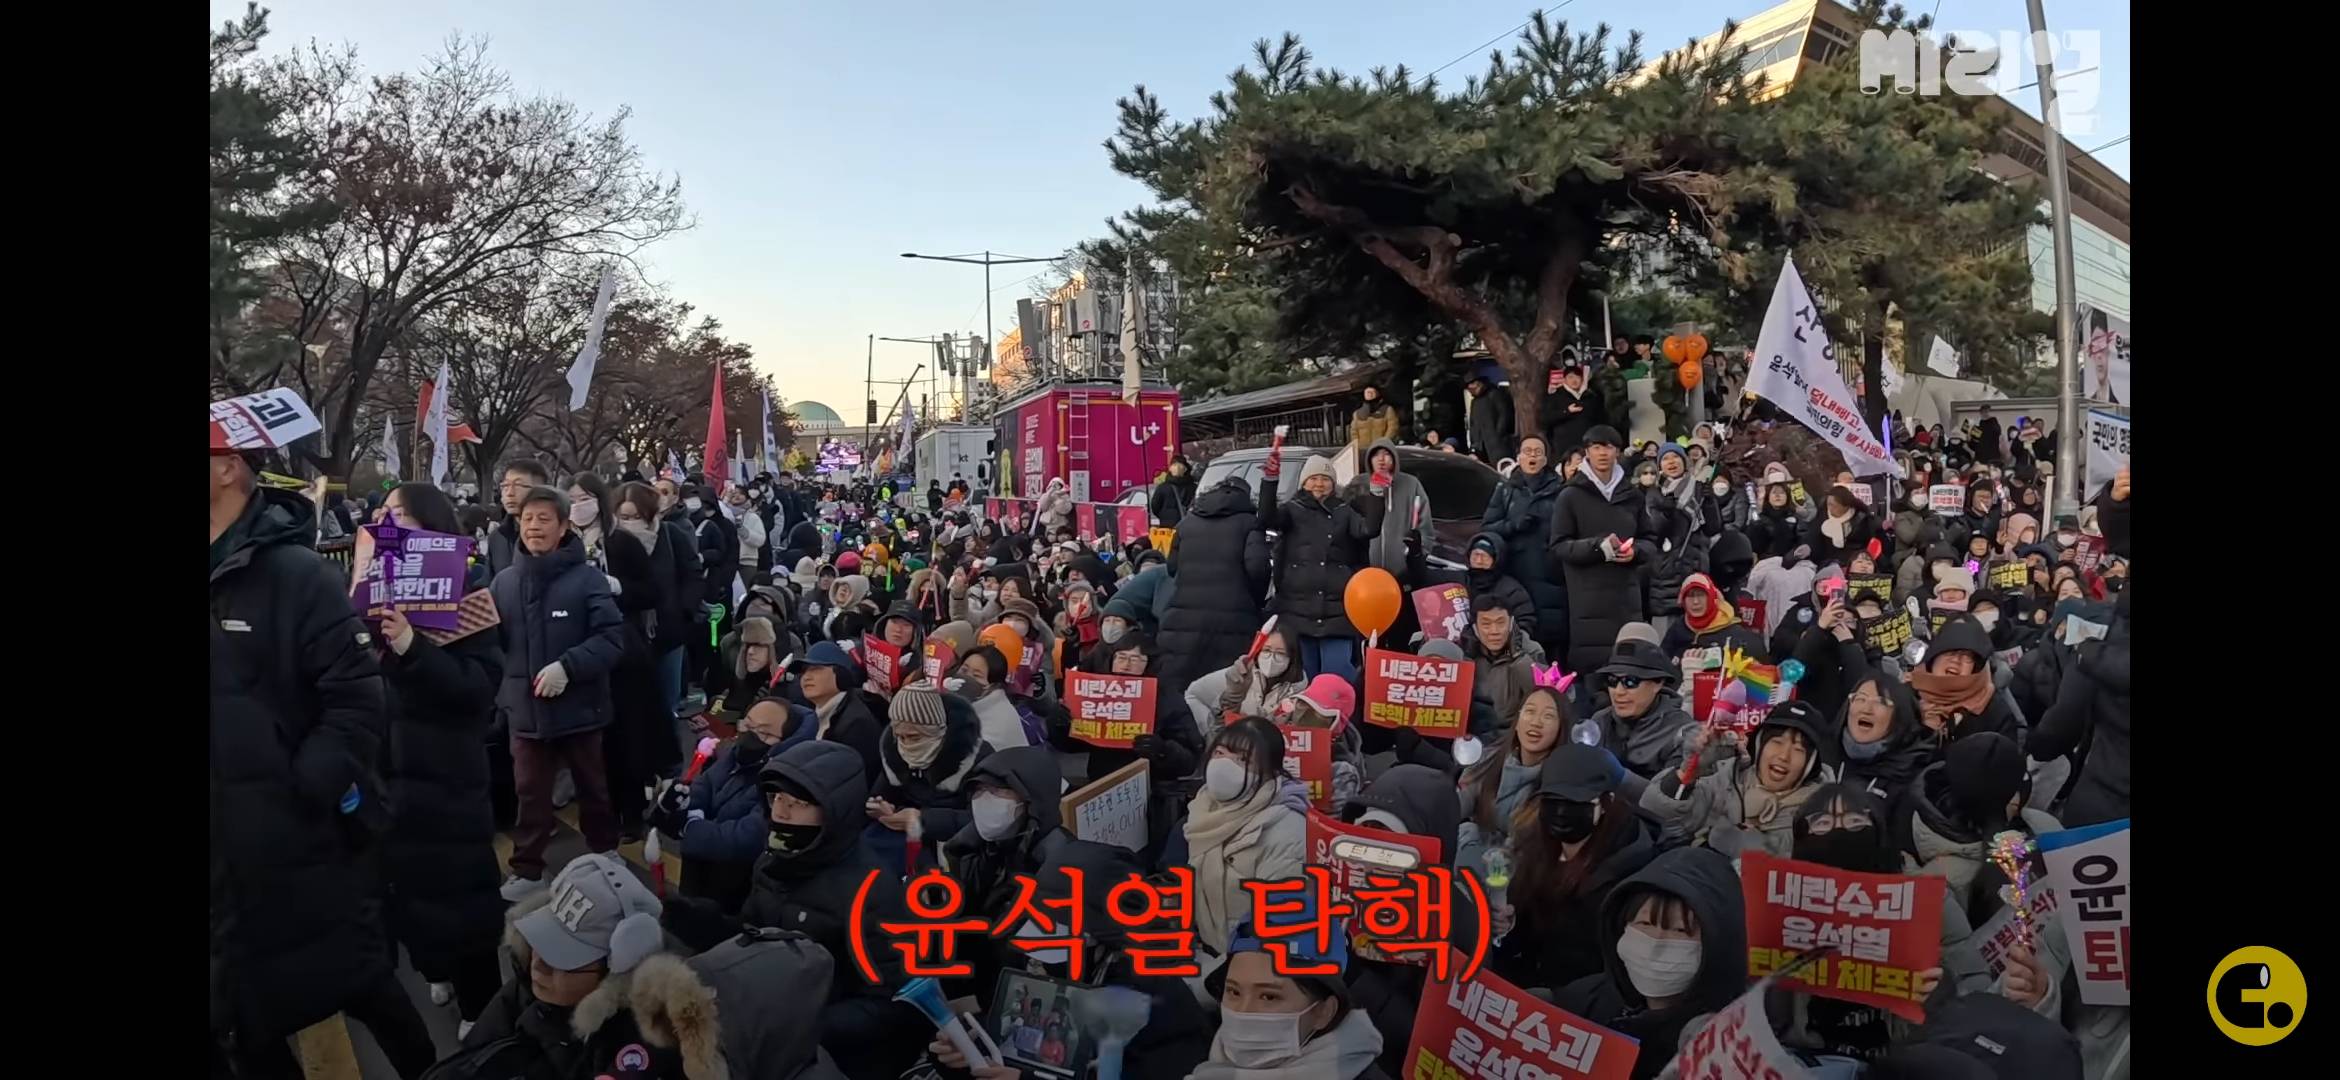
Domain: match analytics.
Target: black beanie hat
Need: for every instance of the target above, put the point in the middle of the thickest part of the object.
(1985, 771)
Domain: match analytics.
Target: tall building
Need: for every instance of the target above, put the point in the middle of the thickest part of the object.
(1785, 41)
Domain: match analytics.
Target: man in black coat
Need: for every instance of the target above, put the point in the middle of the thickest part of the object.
(813, 865)
(1520, 511)
(1491, 421)
(1571, 411)
(1215, 608)
(563, 635)
(1595, 523)
(296, 796)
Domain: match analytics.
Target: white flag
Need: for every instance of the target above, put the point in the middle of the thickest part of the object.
(390, 462)
(435, 423)
(1942, 358)
(674, 468)
(1133, 317)
(1795, 369)
(581, 372)
(739, 463)
(909, 424)
(771, 444)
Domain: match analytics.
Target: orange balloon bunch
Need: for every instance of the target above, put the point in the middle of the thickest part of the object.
(1686, 351)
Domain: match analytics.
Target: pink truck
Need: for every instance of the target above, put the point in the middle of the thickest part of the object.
(1085, 433)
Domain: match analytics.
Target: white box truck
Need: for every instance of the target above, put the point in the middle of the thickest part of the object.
(962, 449)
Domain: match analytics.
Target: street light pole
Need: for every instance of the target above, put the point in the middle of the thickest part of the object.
(986, 262)
(2068, 435)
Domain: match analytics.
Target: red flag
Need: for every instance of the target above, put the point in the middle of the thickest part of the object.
(456, 433)
(714, 462)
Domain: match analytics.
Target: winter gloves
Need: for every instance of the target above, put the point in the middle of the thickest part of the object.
(552, 681)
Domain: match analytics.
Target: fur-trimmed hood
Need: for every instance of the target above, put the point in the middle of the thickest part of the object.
(606, 1000)
(962, 741)
(681, 1005)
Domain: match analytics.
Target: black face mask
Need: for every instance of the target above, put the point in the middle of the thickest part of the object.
(751, 748)
(790, 841)
(1568, 821)
(1847, 849)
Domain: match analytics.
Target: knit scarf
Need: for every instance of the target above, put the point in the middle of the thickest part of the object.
(1835, 526)
(1210, 823)
(1941, 696)
(1719, 614)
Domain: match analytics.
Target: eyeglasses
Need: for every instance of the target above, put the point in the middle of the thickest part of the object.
(1824, 824)
(1867, 699)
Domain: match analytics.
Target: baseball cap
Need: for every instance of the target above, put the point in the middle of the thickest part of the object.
(588, 901)
(1577, 772)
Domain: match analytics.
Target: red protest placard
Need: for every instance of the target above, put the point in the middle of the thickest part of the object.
(2089, 551)
(1130, 522)
(884, 662)
(1752, 613)
(939, 658)
(1734, 717)
(1308, 758)
(1430, 695)
(1109, 710)
(1443, 610)
(1738, 1044)
(1085, 521)
(991, 509)
(1884, 928)
(1484, 1026)
(1353, 851)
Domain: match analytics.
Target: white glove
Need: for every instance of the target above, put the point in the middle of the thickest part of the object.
(552, 680)
(1609, 548)
(615, 586)
(696, 815)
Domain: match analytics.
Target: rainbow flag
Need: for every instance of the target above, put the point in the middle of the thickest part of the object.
(1759, 679)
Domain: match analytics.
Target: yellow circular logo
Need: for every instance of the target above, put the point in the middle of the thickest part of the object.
(2257, 995)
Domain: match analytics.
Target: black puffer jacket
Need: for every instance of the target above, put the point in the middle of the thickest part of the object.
(1857, 534)
(1216, 607)
(1706, 880)
(1674, 565)
(2092, 709)
(1497, 582)
(1520, 511)
(804, 542)
(1602, 596)
(1775, 531)
(1318, 546)
(985, 868)
(441, 854)
(1557, 942)
(297, 717)
(1492, 423)
(557, 607)
(676, 566)
(812, 894)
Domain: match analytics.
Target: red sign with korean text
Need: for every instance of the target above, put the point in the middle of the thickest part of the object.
(1702, 709)
(1443, 610)
(1484, 1026)
(939, 658)
(1406, 906)
(1085, 521)
(2090, 551)
(1752, 613)
(1430, 695)
(1129, 523)
(1884, 928)
(1738, 1044)
(1308, 759)
(884, 662)
(1109, 710)
(991, 509)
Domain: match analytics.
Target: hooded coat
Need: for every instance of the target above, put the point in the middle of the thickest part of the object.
(557, 608)
(1709, 885)
(440, 854)
(1682, 551)
(1215, 609)
(1602, 595)
(1390, 992)
(297, 718)
(730, 1012)
(1492, 424)
(1557, 943)
(1055, 507)
(986, 869)
(1495, 581)
(2093, 708)
(1906, 748)
(1648, 745)
(518, 1035)
(1964, 634)
(1728, 809)
(720, 848)
(1319, 545)
(1404, 540)
(812, 894)
(1171, 496)
(1504, 677)
(1520, 513)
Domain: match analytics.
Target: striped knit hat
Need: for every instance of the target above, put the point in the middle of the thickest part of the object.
(918, 706)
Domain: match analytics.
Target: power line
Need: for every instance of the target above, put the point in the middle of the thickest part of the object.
(2115, 142)
(1499, 37)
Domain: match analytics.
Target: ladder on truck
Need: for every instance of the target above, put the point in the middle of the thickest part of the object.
(1076, 441)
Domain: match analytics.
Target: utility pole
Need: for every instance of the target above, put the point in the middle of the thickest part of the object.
(2069, 452)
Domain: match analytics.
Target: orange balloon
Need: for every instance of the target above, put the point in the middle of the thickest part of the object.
(1694, 348)
(1371, 600)
(1672, 347)
(1691, 373)
(1010, 644)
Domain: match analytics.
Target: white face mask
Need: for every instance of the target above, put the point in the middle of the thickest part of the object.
(1722, 487)
(1659, 967)
(691, 504)
(1988, 619)
(1112, 630)
(1223, 778)
(1259, 1040)
(995, 815)
(1272, 664)
(584, 511)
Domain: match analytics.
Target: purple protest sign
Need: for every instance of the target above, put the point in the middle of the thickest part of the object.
(422, 572)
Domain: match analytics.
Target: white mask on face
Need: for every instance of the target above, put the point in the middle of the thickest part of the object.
(1988, 619)
(691, 504)
(1112, 630)
(995, 815)
(1259, 1040)
(1272, 664)
(1659, 967)
(1223, 778)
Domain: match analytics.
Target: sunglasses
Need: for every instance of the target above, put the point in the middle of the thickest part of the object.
(1622, 682)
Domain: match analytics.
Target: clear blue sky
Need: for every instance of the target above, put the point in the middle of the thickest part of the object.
(818, 139)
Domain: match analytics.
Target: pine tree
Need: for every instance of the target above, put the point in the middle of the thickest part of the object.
(253, 157)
